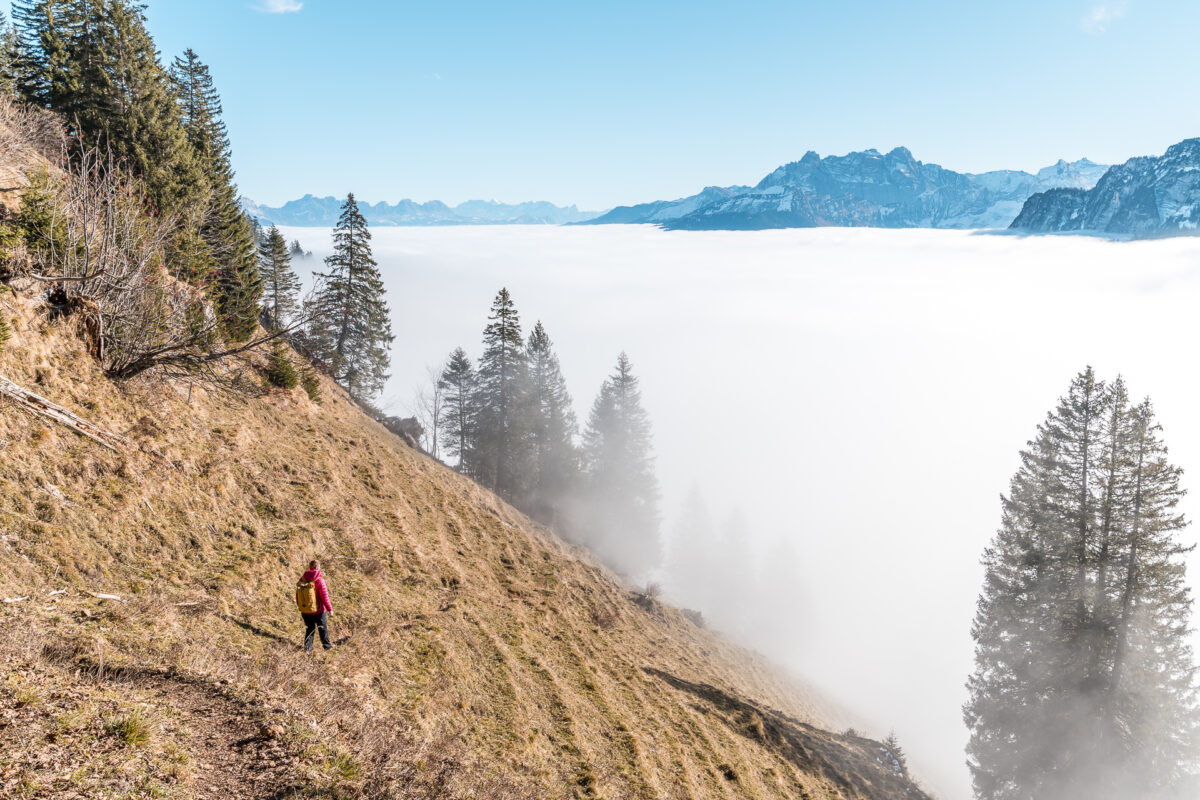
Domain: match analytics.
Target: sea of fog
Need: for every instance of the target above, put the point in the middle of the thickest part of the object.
(862, 392)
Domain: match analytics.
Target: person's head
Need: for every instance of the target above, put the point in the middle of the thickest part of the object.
(314, 564)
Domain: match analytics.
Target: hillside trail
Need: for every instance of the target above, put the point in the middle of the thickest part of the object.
(235, 756)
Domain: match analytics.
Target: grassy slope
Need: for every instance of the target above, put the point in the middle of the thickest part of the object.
(481, 655)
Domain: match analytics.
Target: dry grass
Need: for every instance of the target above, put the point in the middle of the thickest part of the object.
(479, 655)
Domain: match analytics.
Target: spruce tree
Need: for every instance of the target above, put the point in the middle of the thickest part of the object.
(223, 225)
(502, 453)
(622, 486)
(9, 57)
(1084, 579)
(281, 286)
(553, 432)
(94, 62)
(458, 391)
(350, 329)
(892, 755)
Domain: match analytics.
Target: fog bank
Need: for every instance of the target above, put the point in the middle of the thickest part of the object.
(863, 393)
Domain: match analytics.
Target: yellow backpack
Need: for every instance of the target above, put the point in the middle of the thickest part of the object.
(306, 596)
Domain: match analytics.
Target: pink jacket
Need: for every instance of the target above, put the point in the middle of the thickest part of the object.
(316, 577)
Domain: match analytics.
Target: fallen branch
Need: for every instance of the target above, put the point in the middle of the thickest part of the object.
(41, 407)
(99, 596)
(16, 599)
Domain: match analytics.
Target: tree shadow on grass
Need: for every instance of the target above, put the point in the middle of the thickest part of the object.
(257, 631)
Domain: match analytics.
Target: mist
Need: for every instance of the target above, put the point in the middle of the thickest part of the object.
(858, 396)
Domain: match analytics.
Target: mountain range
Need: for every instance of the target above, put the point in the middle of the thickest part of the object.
(323, 212)
(866, 188)
(1145, 196)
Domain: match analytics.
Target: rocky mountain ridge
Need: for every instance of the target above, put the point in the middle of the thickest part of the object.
(1145, 196)
(866, 188)
(311, 211)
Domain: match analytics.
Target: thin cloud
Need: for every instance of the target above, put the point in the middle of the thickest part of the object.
(281, 6)
(1101, 16)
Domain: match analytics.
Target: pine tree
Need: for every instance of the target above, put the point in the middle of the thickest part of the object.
(41, 31)
(281, 286)
(622, 486)
(94, 62)
(10, 50)
(892, 755)
(351, 329)
(502, 454)
(554, 429)
(458, 418)
(223, 226)
(280, 370)
(1085, 571)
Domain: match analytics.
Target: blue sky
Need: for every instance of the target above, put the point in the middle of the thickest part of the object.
(618, 102)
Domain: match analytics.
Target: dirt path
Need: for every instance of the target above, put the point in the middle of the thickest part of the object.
(234, 756)
(68, 735)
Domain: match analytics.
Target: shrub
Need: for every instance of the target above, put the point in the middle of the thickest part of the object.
(311, 383)
(5, 331)
(280, 371)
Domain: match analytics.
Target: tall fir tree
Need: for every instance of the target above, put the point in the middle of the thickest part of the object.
(94, 62)
(458, 415)
(1085, 579)
(9, 57)
(556, 467)
(623, 516)
(350, 329)
(281, 286)
(236, 284)
(502, 453)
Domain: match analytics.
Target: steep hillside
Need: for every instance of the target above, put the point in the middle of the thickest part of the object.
(479, 656)
(1145, 196)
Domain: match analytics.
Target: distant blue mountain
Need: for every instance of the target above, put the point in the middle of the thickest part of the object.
(1145, 196)
(860, 189)
(323, 212)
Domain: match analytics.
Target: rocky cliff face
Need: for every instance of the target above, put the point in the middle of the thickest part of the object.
(867, 188)
(1145, 196)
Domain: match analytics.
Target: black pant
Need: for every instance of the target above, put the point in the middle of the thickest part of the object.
(312, 624)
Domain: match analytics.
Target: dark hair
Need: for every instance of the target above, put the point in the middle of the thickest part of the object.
(314, 564)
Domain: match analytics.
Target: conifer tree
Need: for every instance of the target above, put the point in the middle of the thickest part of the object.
(457, 383)
(502, 454)
(351, 329)
(281, 286)
(9, 57)
(223, 225)
(1084, 579)
(892, 755)
(94, 62)
(622, 486)
(554, 429)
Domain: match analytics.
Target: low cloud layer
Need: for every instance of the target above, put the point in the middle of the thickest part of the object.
(862, 394)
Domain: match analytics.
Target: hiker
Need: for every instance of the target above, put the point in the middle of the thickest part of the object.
(313, 599)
